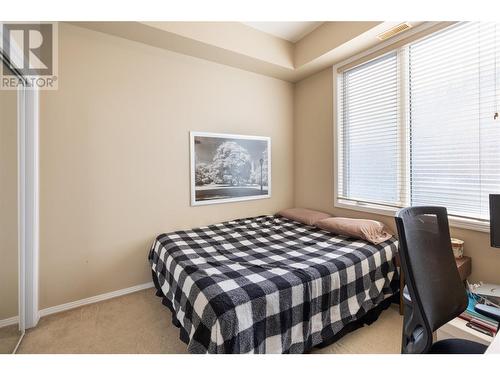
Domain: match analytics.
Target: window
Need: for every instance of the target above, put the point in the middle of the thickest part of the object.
(370, 132)
(419, 126)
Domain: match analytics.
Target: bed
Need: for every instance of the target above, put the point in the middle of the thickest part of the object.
(268, 284)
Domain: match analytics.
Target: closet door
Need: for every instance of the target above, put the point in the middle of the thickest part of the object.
(9, 256)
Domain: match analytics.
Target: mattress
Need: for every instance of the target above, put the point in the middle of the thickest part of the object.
(268, 284)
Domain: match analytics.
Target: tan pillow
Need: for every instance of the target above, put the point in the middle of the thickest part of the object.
(303, 215)
(369, 230)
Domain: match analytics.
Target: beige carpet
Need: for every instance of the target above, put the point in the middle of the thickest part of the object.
(9, 336)
(139, 323)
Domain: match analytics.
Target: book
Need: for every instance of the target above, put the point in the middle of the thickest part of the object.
(484, 325)
(466, 316)
(470, 315)
(480, 329)
(470, 310)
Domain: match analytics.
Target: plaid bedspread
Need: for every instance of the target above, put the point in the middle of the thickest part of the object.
(268, 284)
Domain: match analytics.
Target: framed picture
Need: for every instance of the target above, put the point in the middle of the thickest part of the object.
(229, 168)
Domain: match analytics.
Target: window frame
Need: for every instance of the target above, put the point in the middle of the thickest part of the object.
(386, 210)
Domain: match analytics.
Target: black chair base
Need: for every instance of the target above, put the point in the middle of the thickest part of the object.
(457, 346)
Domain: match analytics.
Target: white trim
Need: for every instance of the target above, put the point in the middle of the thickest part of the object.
(28, 156)
(471, 224)
(454, 221)
(94, 299)
(33, 256)
(193, 134)
(18, 342)
(404, 128)
(9, 321)
(335, 133)
(21, 284)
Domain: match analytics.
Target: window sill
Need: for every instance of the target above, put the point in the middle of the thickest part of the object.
(455, 221)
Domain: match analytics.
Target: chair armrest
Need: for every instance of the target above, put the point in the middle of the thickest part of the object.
(489, 311)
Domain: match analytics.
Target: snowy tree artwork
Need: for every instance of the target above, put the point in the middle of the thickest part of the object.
(228, 168)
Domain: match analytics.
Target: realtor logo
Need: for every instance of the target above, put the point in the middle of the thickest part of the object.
(29, 54)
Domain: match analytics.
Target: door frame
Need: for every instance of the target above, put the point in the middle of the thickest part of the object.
(27, 196)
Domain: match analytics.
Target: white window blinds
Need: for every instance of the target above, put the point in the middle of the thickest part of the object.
(418, 126)
(455, 141)
(369, 131)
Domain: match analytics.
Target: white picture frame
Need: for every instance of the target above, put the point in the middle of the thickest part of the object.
(209, 182)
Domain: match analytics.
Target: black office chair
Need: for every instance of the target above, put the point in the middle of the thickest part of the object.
(434, 293)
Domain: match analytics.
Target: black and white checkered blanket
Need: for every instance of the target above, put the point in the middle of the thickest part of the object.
(268, 284)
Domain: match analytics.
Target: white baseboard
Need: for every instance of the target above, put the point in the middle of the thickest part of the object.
(9, 321)
(87, 301)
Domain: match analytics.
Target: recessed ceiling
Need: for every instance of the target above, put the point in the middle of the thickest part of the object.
(291, 31)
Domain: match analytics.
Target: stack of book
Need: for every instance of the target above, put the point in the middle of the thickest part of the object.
(477, 321)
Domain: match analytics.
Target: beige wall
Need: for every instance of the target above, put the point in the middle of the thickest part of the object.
(114, 163)
(314, 169)
(8, 204)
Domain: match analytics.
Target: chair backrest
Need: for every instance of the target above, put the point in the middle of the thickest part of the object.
(436, 290)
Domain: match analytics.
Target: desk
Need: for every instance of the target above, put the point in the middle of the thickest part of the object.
(464, 266)
(494, 347)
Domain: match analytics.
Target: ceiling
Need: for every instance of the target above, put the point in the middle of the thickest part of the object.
(291, 31)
